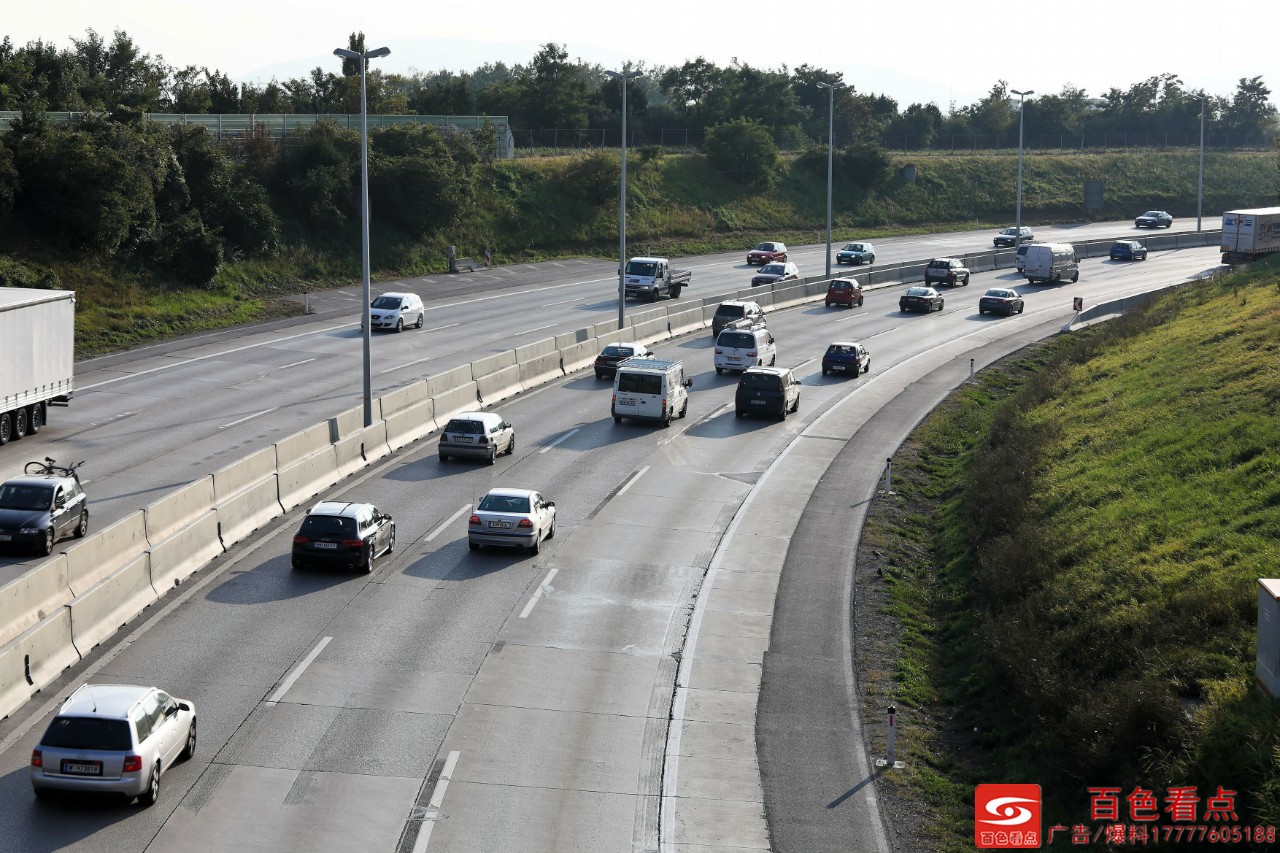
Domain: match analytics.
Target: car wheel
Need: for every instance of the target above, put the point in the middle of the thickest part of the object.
(421, 318)
(19, 424)
(824, 371)
(1075, 276)
(981, 311)
(826, 304)
(782, 416)
(684, 410)
(871, 259)
(149, 796)
(493, 455)
(444, 457)
(940, 304)
(740, 413)
(391, 542)
(43, 793)
(719, 370)
(617, 419)
(795, 407)
(551, 534)
(400, 325)
(773, 360)
(1021, 307)
(36, 420)
(83, 527)
(535, 547)
(860, 299)
(474, 546)
(6, 428)
(190, 749)
(46, 547)
(511, 445)
(855, 371)
(1008, 312)
(367, 565)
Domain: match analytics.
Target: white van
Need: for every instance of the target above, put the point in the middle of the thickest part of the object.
(650, 389)
(738, 349)
(1049, 262)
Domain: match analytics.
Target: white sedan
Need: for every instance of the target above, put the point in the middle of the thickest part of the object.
(518, 518)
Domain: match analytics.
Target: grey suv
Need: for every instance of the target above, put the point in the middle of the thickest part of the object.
(949, 271)
(349, 535)
(114, 739)
(35, 512)
(736, 314)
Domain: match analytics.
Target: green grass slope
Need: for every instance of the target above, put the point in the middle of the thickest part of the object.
(1086, 613)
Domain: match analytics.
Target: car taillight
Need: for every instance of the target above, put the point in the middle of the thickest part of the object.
(301, 540)
(352, 543)
(482, 440)
(599, 360)
(37, 758)
(475, 519)
(132, 763)
(664, 404)
(615, 400)
(751, 354)
(525, 523)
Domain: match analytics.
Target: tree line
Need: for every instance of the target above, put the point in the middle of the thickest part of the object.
(553, 91)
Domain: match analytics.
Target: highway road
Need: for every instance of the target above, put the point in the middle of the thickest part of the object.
(454, 701)
(151, 419)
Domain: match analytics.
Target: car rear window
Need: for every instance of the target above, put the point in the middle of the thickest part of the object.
(626, 352)
(328, 525)
(837, 349)
(639, 383)
(940, 264)
(918, 291)
(88, 733)
(840, 285)
(504, 503)
(731, 311)
(736, 340)
(469, 427)
(760, 382)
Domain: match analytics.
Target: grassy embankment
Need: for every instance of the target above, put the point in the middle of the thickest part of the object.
(1072, 562)
(678, 205)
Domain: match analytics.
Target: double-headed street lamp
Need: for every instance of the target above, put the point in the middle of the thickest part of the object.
(831, 133)
(1021, 96)
(365, 324)
(622, 77)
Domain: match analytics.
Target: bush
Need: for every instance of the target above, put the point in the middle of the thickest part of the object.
(593, 177)
(318, 176)
(864, 165)
(744, 150)
(17, 274)
(229, 202)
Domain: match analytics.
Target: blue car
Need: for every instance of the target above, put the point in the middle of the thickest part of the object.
(846, 357)
(856, 253)
(1128, 250)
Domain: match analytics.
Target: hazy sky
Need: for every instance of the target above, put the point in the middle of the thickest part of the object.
(933, 50)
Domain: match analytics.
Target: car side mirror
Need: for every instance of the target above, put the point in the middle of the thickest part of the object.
(186, 706)
(551, 503)
(171, 711)
(688, 383)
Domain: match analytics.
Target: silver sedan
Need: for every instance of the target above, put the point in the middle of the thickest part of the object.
(518, 518)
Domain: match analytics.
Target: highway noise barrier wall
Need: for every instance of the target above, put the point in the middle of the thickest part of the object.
(246, 495)
(66, 605)
(99, 554)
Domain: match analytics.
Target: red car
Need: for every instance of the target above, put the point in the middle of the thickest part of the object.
(767, 253)
(844, 291)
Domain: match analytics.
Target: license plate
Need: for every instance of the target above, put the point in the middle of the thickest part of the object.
(499, 524)
(332, 545)
(463, 439)
(757, 402)
(82, 768)
(625, 402)
(837, 367)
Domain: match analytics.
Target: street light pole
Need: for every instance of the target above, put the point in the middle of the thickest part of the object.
(831, 132)
(622, 77)
(1200, 189)
(365, 324)
(1018, 223)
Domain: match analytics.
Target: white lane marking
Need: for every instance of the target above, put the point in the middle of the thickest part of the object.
(297, 671)
(561, 302)
(438, 328)
(444, 524)
(183, 362)
(560, 439)
(632, 481)
(542, 587)
(297, 363)
(538, 329)
(802, 364)
(249, 417)
(437, 799)
(406, 364)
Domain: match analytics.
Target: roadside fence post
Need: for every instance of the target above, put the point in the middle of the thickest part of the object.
(891, 762)
(888, 476)
(971, 370)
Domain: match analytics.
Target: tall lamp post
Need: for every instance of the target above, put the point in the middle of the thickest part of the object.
(831, 133)
(1200, 188)
(622, 77)
(364, 222)
(1018, 222)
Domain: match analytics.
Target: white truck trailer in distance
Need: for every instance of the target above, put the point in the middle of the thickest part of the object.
(37, 337)
(1250, 234)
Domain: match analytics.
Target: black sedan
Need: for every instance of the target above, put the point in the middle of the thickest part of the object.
(920, 299)
(1128, 250)
(1001, 300)
(607, 361)
(1154, 219)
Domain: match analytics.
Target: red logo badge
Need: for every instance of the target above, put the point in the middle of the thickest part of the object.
(1006, 817)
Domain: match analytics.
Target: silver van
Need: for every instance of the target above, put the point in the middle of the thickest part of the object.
(738, 349)
(1049, 262)
(650, 389)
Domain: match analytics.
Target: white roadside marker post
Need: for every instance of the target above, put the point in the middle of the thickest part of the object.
(891, 762)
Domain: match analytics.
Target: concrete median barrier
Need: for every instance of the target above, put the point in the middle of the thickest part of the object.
(458, 377)
(247, 510)
(651, 331)
(709, 313)
(307, 477)
(527, 352)
(536, 370)
(463, 398)
(635, 318)
(681, 322)
(33, 659)
(352, 420)
(409, 425)
(499, 385)
(32, 596)
(606, 328)
(577, 336)
(178, 508)
(575, 357)
(361, 448)
(793, 294)
(302, 444)
(99, 554)
(110, 603)
(491, 364)
(405, 397)
(624, 336)
(185, 552)
(243, 473)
